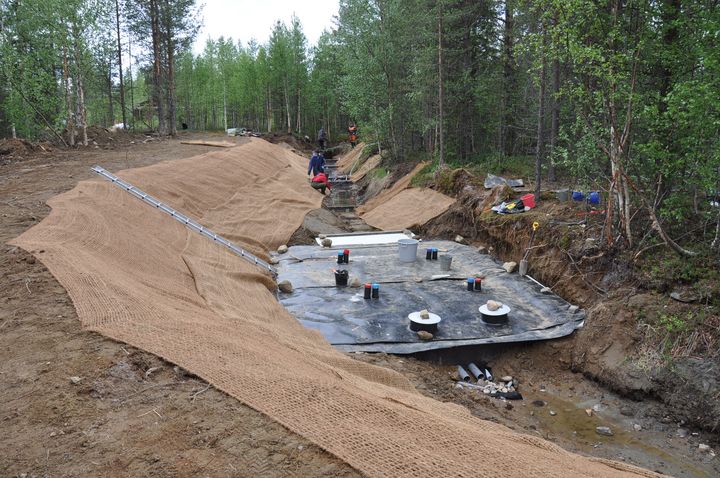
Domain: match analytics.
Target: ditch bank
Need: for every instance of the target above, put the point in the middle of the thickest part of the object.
(626, 342)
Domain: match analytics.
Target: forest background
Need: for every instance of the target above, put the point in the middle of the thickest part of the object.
(617, 96)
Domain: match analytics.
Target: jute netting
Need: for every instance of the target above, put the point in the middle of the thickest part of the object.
(401, 206)
(138, 276)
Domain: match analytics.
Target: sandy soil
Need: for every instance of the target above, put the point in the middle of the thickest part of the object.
(133, 414)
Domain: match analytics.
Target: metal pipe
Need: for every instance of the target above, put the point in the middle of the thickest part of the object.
(462, 373)
(477, 373)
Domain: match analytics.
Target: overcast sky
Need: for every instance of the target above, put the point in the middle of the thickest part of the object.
(246, 19)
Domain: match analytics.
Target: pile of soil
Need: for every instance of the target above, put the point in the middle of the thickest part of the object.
(296, 143)
(97, 135)
(13, 149)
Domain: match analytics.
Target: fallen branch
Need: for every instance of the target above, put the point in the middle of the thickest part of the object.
(656, 222)
(582, 276)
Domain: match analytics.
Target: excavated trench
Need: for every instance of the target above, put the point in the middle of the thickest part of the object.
(570, 386)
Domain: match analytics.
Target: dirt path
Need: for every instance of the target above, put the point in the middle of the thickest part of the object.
(131, 414)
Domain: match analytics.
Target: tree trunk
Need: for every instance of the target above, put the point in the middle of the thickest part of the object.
(555, 112)
(157, 67)
(111, 110)
(268, 109)
(540, 145)
(120, 65)
(287, 104)
(81, 111)
(170, 41)
(68, 99)
(507, 134)
(441, 99)
(132, 89)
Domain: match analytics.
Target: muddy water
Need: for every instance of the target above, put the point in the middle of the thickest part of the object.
(573, 423)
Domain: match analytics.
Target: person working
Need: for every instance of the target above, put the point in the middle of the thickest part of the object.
(320, 181)
(317, 162)
(322, 138)
(352, 134)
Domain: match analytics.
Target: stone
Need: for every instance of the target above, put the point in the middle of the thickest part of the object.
(75, 380)
(459, 239)
(506, 378)
(355, 282)
(321, 236)
(683, 297)
(538, 403)
(285, 286)
(326, 242)
(282, 249)
(703, 447)
(425, 335)
(546, 290)
(482, 250)
(597, 407)
(627, 411)
(682, 432)
(509, 267)
(606, 431)
(589, 412)
(637, 427)
(573, 308)
(424, 314)
(553, 413)
(274, 260)
(493, 305)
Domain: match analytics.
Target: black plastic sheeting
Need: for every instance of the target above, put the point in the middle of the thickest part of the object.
(352, 323)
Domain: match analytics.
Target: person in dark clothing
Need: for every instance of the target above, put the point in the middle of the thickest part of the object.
(320, 182)
(322, 138)
(317, 162)
(352, 134)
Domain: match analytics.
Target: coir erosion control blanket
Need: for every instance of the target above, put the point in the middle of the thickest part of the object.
(138, 276)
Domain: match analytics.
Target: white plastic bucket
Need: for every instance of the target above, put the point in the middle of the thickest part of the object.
(408, 249)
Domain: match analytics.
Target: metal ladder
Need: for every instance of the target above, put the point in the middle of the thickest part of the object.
(183, 219)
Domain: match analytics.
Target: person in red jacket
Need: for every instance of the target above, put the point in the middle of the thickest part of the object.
(320, 181)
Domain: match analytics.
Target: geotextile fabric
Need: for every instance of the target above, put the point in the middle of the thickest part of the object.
(402, 207)
(389, 193)
(138, 276)
(371, 163)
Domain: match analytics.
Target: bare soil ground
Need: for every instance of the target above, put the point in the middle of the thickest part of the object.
(132, 413)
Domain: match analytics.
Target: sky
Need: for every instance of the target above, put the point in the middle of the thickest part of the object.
(246, 19)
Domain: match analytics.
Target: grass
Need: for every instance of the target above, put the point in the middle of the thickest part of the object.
(497, 164)
(378, 173)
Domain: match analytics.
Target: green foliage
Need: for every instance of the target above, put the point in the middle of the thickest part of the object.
(672, 324)
(424, 177)
(379, 173)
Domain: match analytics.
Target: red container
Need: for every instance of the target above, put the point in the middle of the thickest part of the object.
(528, 200)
